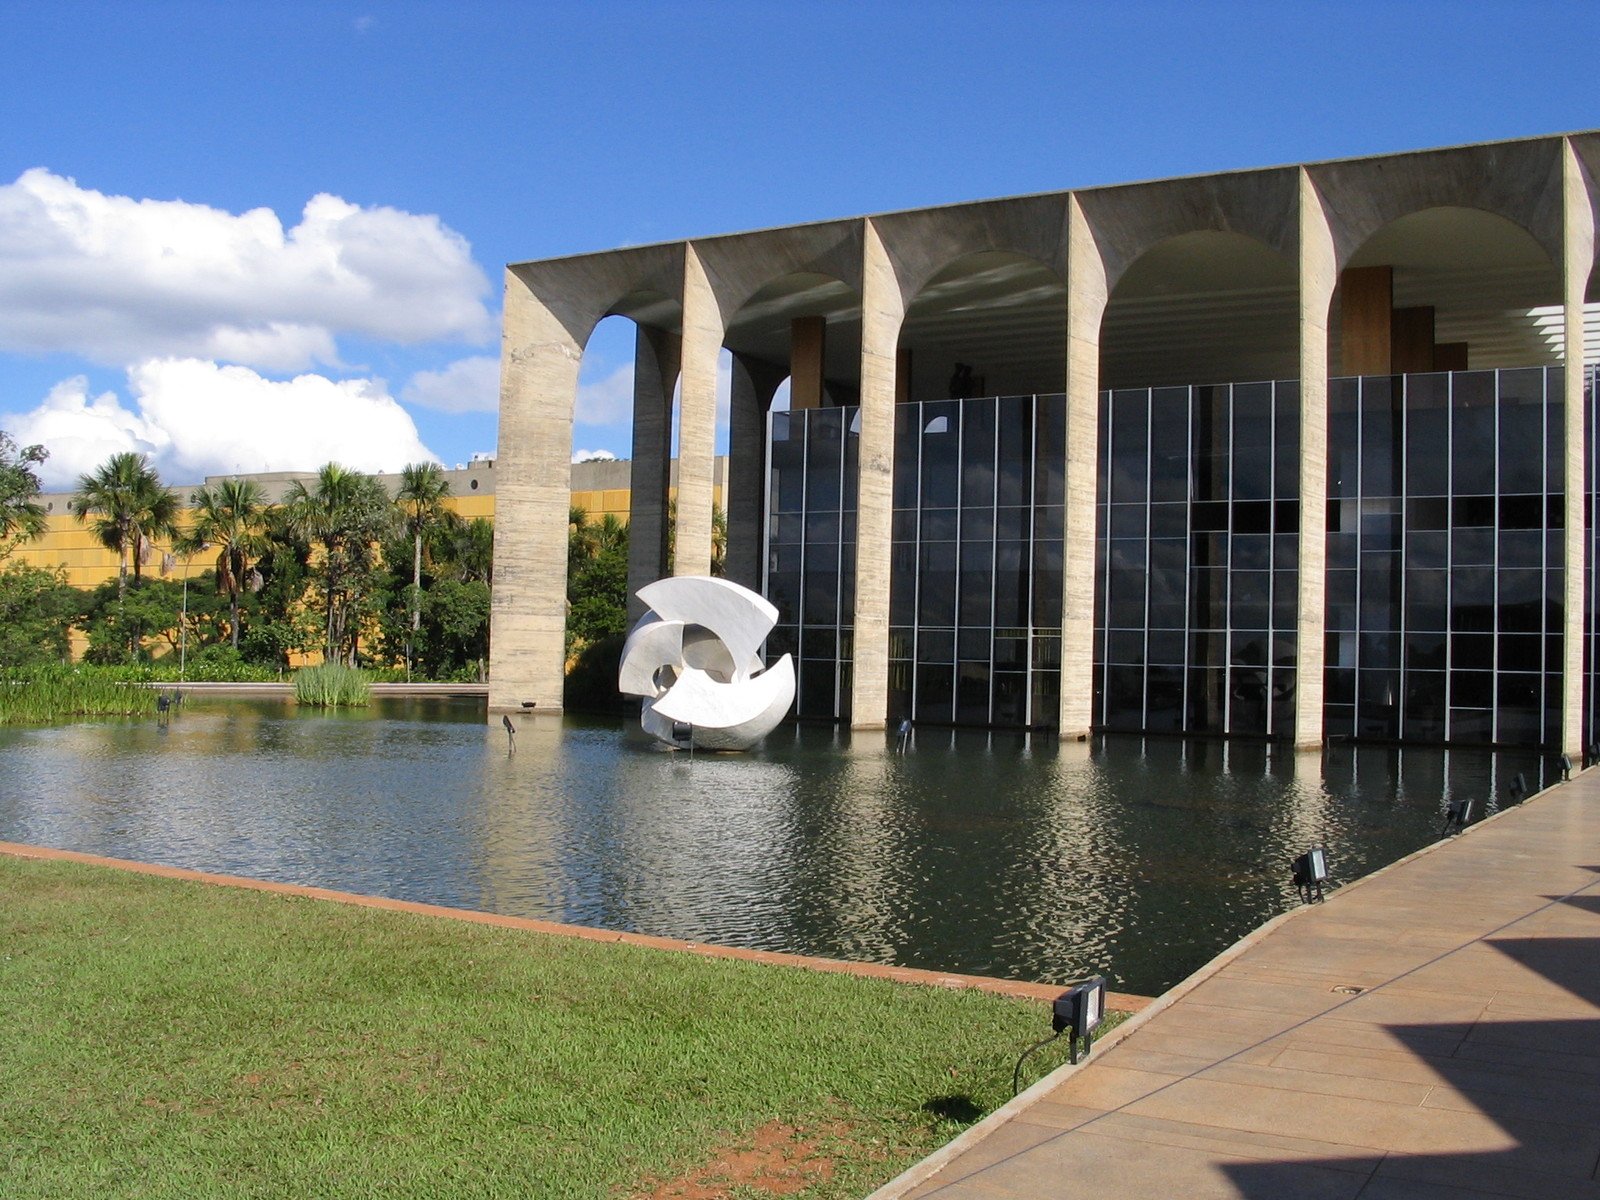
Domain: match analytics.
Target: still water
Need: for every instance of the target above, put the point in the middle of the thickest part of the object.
(995, 854)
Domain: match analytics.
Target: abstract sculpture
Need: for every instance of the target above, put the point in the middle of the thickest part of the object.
(693, 659)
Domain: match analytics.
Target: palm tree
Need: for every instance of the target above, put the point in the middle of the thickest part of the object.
(130, 508)
(21, 515)
(231, 516)
(345, 514)
(421, 496)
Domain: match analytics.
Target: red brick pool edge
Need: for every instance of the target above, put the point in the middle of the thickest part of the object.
(1022, 989)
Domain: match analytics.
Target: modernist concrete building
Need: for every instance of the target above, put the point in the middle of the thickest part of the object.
(1294, 452)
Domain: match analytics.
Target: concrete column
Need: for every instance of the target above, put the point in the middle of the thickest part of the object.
(1366, 321)
(882, 313)
(1318, 275)
(807, 340)
(697, 419)
(655, 373)
(754, 383)
(533, 467)
(1087, 294)
(1577, 255)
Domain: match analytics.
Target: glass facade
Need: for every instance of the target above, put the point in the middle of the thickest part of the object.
(1444, 572)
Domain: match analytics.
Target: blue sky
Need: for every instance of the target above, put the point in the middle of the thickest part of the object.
(457, 137)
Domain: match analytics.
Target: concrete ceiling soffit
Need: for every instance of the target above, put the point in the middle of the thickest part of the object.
(924, 242)
(1128, 221)
(740, 265)
(1587, 147)
(1520, 181)
(641, 283)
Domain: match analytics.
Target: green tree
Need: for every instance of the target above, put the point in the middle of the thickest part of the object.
(345, 515)
(597, 580)
(36, 611)
(421, 497)
(232, 518)
(130, 509)
(21, 514)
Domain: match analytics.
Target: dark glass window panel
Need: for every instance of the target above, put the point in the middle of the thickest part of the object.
(1471, 689)
(1340, 685)
(784, 639)
(972, 694)
(902, 583)
(1251, 599)
(1380, 592)
(847, 527)
(1284, 649)
(1208, 550)
(1472, 599)
(1050, 451)
(1164, 699)
(1286, 435)
(1286, 552)
(1428, 436)
(1378, 651)
(973, 644)
(1522, 548)
(1286, 516)
(1208, 689)
(1013, 571)
(977, 524)
(816, 689)
(1425, 652)
(1209, 515)
(1011, 698)
(1471, 725)
(936, 594)
(819, 644)
(1344, 516)
(1249, 649)
(1343, 549)
(1252, 441)
(1341, 600)
(1208, 598)
(1169, 444)
(821, 596)
(783, 590)
(1248, 701)
(1522, 430)
(1166, 645)
(1014, 416)
(1130, 445)
(1047, 584)
(1252, 516)
(852, 457)
(1428, 549)
(1339, 648)
(1552, 656)
(1048, 525)
(1046, 650)
(1125, 646)
(1472, 547)
(976, 597)
(1013, 524)
(1380, 529)
(1283, 702)
(1427, 600)
(1469, 511)
(1252, 552)
(941, 442)
(901, 639)
(1127, 521)
(822, 529)
(939, 524)
(1424, 705)
(1124, 697)
(977, 454)
(1428, 512)
(1471, 652)
(907, 438)
(1521, 652)
(1522, 512)
(1555, 437)
(787, 527)
(1208, 649)
(1011, 652)
(1378, 704)
(1472, 404)
(935, 693)
(936, 645)
(1209, 429)
(1380, 437)
(1521, 586)
(1168, 613)
(1285, 599)
(903, 525)
(1339, 721)
(1344, 432)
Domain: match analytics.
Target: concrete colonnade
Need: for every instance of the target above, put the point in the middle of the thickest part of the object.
(1315, 216)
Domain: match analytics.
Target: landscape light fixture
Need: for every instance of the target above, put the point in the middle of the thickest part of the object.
(1078, 1011)
(1566, 767)
(530, 704)
(1310, 873)
(1519, 788)
(904, 729)
(511, 735)
(1457, 816)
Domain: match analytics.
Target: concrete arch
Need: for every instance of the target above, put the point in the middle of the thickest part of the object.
(739, 268)
(922, 245)
(1000, 313)
(1204, 306)
(578, 292)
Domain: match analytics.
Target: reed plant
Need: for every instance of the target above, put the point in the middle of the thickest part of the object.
(332, 685)
(41, 695)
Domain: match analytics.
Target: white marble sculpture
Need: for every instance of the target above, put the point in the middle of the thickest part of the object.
(694, 660)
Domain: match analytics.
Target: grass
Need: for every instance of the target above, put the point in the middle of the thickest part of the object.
(40, 695)
(175, 1039)
(332, 685)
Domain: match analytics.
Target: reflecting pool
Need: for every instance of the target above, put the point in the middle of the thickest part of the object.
(995, 854)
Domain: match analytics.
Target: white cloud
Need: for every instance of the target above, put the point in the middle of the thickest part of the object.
(605, 397)
(196, 418)
(466, 385)
(579, 456)
(121, 280)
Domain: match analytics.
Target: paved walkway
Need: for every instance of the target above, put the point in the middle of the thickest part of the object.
(1432, 1031)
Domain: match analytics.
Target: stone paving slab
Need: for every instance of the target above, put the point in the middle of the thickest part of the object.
(1466, 1063)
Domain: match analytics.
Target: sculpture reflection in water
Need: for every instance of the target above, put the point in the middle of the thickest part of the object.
(694, 660)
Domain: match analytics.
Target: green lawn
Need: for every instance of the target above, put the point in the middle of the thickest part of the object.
(173, 1039)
